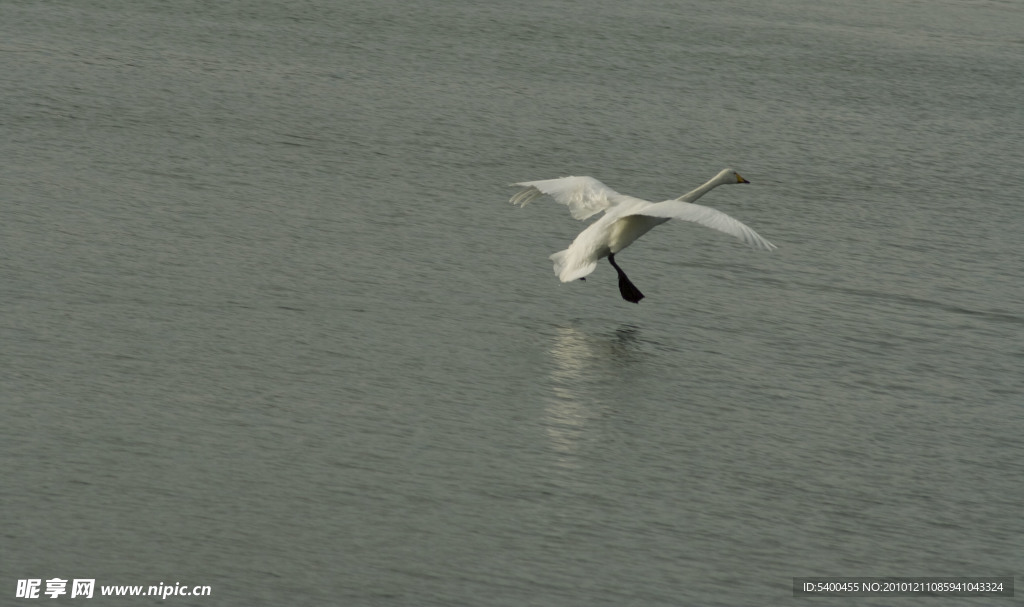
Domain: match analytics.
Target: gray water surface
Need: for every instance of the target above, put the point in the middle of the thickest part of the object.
(268, 323)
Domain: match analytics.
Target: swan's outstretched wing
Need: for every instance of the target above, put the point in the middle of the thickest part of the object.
(585, 196)
(706, 216)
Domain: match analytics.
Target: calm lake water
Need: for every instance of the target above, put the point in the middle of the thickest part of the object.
(269, 324)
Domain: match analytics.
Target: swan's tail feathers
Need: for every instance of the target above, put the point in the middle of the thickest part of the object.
(559, 259)
(568, 267)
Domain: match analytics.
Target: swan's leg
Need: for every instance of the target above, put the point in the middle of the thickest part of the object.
(626, 287)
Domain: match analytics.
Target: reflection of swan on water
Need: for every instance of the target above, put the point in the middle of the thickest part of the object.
(566, 414)
(625, 219)
(580, 362)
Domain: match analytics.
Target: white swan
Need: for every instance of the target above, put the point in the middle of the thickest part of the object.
(626, 219)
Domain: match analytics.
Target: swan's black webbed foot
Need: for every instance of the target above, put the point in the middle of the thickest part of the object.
(626, 287)
(583, 278)
(628, 290)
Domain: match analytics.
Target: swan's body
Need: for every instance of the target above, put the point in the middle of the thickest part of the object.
(625, 219)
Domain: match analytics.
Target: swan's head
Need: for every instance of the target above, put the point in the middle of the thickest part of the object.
(729, 176)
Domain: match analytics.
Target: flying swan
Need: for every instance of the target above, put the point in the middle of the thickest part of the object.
(626, 219)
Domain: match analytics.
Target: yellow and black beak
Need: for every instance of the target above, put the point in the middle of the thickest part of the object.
(740, 179)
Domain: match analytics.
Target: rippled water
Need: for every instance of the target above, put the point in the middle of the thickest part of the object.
(269, 324)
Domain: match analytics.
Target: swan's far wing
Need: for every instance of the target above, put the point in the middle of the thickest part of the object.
(585, 196)
(708, 217)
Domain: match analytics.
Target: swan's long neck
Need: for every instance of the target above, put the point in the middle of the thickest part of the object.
(697, 193)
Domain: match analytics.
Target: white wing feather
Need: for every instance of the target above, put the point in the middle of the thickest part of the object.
(585, 196)
(708, 217)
